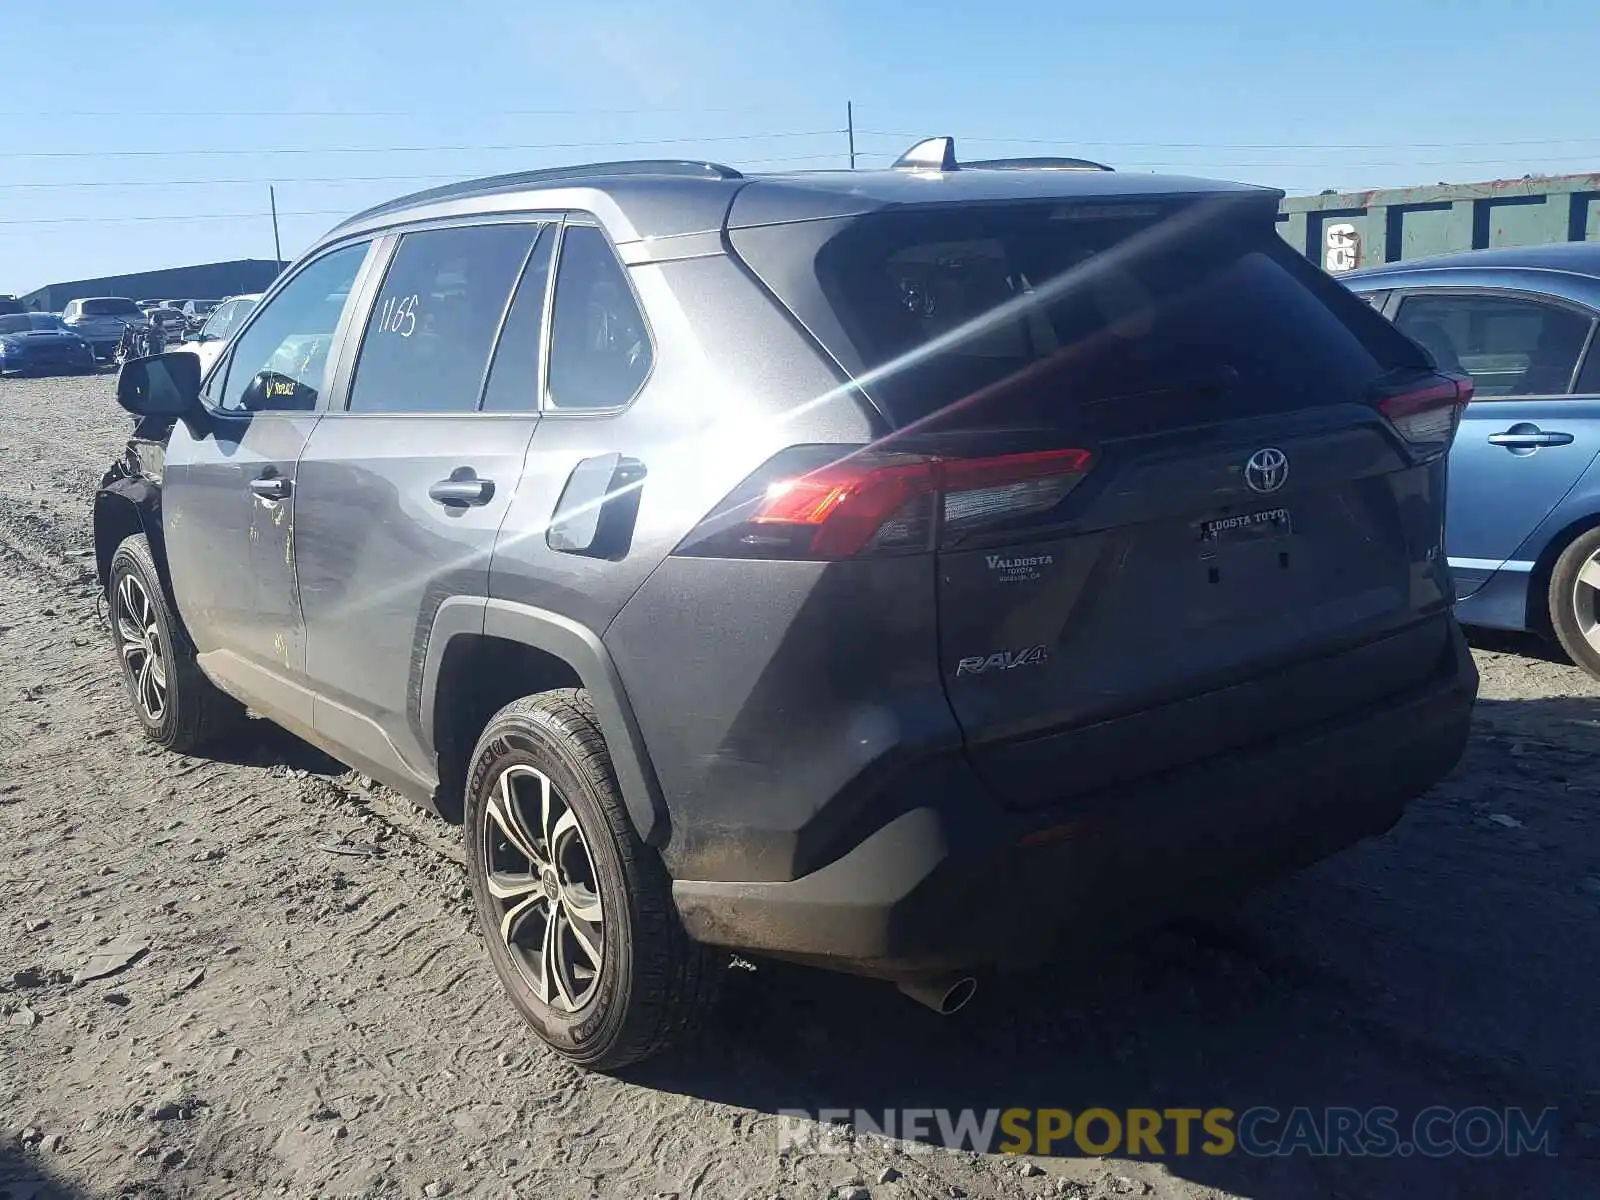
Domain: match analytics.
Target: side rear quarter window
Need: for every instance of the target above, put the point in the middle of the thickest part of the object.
(599, 345)
(428, 337)
(1510, 345)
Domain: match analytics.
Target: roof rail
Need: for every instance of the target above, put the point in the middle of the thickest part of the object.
(939, 154)
(1037, 164)
(686, 168)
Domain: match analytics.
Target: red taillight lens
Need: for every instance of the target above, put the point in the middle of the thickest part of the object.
(838, 510)
(1426, 412)
(875, 502)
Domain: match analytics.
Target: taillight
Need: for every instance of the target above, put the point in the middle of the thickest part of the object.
(878, 503)
(1426, 411)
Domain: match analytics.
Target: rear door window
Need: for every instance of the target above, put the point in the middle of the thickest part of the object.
(428, 337)
(1589, 378)
(1511, 346)
(1112, 317)
(514, 378)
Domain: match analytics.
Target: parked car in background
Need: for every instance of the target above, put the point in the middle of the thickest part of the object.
(219, 326)
(10, 304)
(907, 571)
(1523, 531)
(100, 320)
(173, 322)
(195, 312)
(37, 343)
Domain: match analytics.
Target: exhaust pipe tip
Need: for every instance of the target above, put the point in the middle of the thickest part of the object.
(943, 996)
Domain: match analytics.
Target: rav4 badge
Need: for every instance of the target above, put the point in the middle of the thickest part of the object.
(1003, 660)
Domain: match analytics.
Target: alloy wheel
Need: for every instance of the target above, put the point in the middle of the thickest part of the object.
(539, 870)
(140, 635)
(1586, 601)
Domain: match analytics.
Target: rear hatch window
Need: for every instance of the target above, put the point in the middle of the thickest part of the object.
(111, 308)
(1095, 315)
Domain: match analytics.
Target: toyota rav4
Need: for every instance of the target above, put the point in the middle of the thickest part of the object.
(909, 572)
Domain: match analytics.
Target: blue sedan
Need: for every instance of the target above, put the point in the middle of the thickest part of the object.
(38, 342)
(1523, 515)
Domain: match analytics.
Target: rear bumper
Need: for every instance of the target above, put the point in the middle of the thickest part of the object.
(967, 885)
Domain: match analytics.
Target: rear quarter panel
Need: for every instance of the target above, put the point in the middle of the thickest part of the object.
(733, 382)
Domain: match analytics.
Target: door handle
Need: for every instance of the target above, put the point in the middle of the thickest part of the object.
(270, 487)
(1529, 437)
(460, 493)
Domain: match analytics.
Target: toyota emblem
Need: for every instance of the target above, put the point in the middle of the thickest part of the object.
(1267, 470)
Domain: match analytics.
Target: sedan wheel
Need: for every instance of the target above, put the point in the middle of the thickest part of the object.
(1574, 599)
(1586, 601)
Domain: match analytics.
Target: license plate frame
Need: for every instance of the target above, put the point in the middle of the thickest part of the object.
(1267, 524)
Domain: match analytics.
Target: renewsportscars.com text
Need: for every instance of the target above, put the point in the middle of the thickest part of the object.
(1259, 1132)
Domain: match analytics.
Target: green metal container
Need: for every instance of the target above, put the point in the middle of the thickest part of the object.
(1341, 231)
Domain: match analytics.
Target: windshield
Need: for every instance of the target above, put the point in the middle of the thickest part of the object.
(15, 324)
(110, 307)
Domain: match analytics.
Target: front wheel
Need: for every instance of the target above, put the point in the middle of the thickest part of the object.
(577, 912)
(1575, 601)
(178, 707)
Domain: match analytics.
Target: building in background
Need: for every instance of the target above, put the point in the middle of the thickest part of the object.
(1341, 231)
(208, 281)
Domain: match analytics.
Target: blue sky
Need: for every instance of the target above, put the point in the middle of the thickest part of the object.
(138, 135)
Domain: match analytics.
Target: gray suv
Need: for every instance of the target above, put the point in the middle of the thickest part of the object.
(909, 572)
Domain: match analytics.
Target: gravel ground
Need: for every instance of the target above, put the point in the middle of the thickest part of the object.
(259, 976)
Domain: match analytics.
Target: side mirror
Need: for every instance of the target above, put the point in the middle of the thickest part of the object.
(279, 393)
(161, 385)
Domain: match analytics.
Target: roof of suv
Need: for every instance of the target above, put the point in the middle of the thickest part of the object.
(656, 199)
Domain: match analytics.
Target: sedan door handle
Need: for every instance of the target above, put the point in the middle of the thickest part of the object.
(270, 487)
(1527, 438)
(461, 492)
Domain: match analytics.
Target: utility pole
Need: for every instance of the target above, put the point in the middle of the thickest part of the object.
(850, 129)
(277, 246)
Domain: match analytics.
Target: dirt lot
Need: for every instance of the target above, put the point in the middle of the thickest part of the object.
(299, 1006)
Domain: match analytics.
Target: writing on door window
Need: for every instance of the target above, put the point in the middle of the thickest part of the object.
(399, 315)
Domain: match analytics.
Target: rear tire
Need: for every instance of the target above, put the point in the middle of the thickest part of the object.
(576, 911)
(177, 706)
(1575, 601)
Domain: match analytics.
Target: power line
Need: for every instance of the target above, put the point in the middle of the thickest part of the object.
(174, 217)
(236, 151)
(1071, 141)
(316, 212)
(431, 113)
(1340, 165)
(328, 179)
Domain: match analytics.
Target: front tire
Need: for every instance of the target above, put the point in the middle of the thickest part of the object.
(576, 911)
(177, 706)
